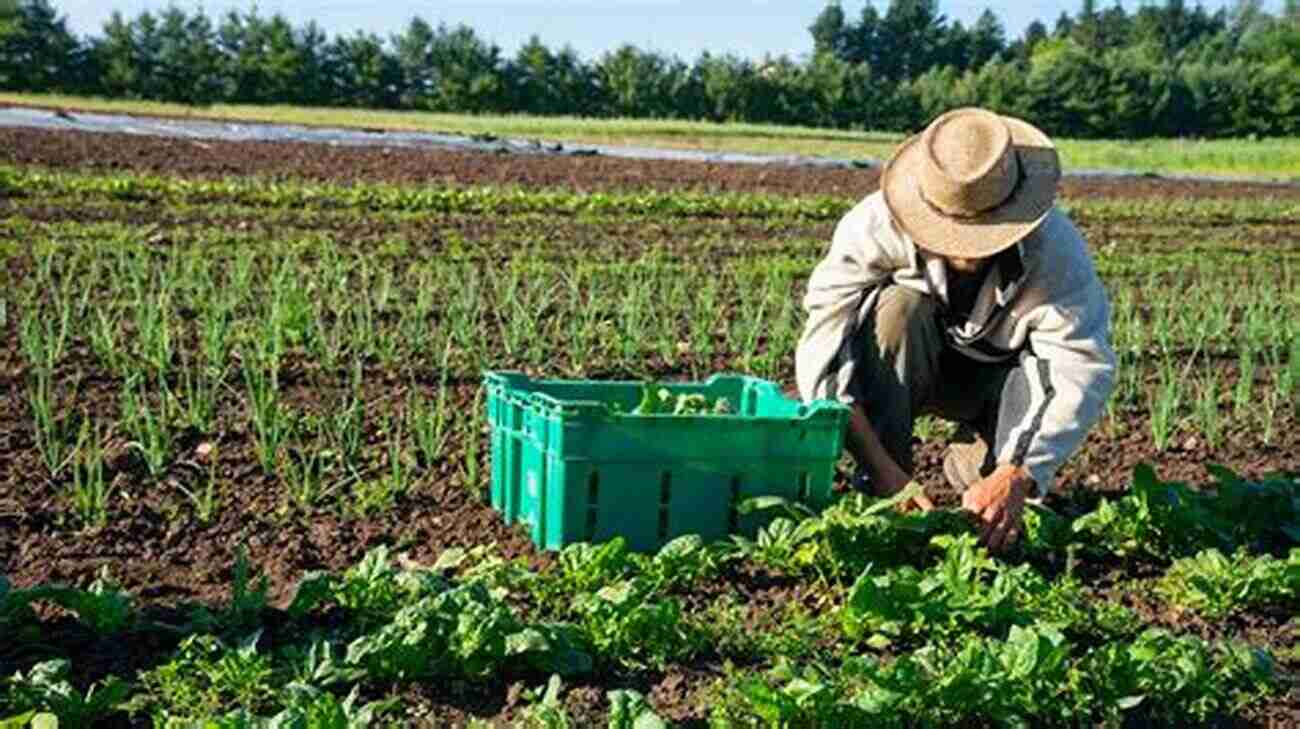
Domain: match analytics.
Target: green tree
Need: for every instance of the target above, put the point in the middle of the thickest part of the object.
(1022, 48)
(364, 74)
(912, 38)
(638, 83)
(1066, 89)
(189, 63)
(544, 82)
(317, 70)
(468, 72)
(414, 50)
(988, 39)
(830, 32)
(37, 52)
(262, 58)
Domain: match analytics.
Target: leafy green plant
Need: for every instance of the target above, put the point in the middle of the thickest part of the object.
(16, 615)
(1215, 585)
(580, 568)
(661, 401)
(1166, 520)
(626, 623)
(680, 563)
(966, 589)
(46, 688)
(32, 719)
(844, 539)
(1158, 678)
(460, 632)
(207, 677)
(629, 710)
(103, 606)
(309, 708)
(544, 709)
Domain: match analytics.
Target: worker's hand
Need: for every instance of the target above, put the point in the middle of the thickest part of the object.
(998, 502)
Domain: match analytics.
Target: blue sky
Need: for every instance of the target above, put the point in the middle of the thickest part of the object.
(684, 28)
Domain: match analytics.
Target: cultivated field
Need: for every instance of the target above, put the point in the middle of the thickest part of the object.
(242, 417)
(1277, 159)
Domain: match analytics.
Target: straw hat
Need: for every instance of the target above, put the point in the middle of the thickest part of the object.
(972, 184)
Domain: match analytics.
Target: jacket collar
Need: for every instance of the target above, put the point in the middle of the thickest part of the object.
(1007, 272)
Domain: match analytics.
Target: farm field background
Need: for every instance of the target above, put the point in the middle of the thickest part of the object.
(242, 379)
(1272, 158)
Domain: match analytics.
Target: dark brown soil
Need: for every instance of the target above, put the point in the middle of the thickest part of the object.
(160, 553)
(89, 151)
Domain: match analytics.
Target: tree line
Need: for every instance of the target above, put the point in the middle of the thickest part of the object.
(1162, 70)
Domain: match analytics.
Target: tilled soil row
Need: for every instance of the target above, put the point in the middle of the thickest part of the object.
(88, 151)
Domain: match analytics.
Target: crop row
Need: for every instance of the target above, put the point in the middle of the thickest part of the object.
(69, 269)
(368, 196)
(915, 620)
(192, 340)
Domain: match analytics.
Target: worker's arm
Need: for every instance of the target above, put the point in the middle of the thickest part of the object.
(887, 477)
(864, 254)
(1064, 379)
(1068, 372)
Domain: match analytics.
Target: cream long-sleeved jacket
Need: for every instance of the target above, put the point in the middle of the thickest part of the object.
(1041, 304)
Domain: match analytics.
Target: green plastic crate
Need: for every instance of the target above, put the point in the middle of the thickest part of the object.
(570, 461)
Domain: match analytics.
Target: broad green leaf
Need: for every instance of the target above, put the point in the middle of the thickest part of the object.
(802, 689)
(680, 547)
(1020, 656)
(909, 492)
(1130, 702)
(763, 503)
(450, 559)
(45, 721)
(17, 722)
(1144, 476)
(879, 642)
(629, 710)
(315, 588)
(617, 593)
(1222, 474)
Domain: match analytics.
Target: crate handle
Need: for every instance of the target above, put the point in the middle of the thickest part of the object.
(665, 499)
(733, 513)
(593, 503)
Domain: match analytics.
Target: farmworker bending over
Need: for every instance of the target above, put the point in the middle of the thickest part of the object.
(960, 290)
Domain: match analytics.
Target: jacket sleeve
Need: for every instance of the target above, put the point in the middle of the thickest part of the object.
(864, 253)
(1068, 370)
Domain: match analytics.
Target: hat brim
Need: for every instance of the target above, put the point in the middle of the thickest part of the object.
(990, 232)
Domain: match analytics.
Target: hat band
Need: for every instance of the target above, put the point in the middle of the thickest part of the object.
(969, 215)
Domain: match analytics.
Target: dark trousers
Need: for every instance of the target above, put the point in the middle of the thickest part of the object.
(905, 368)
